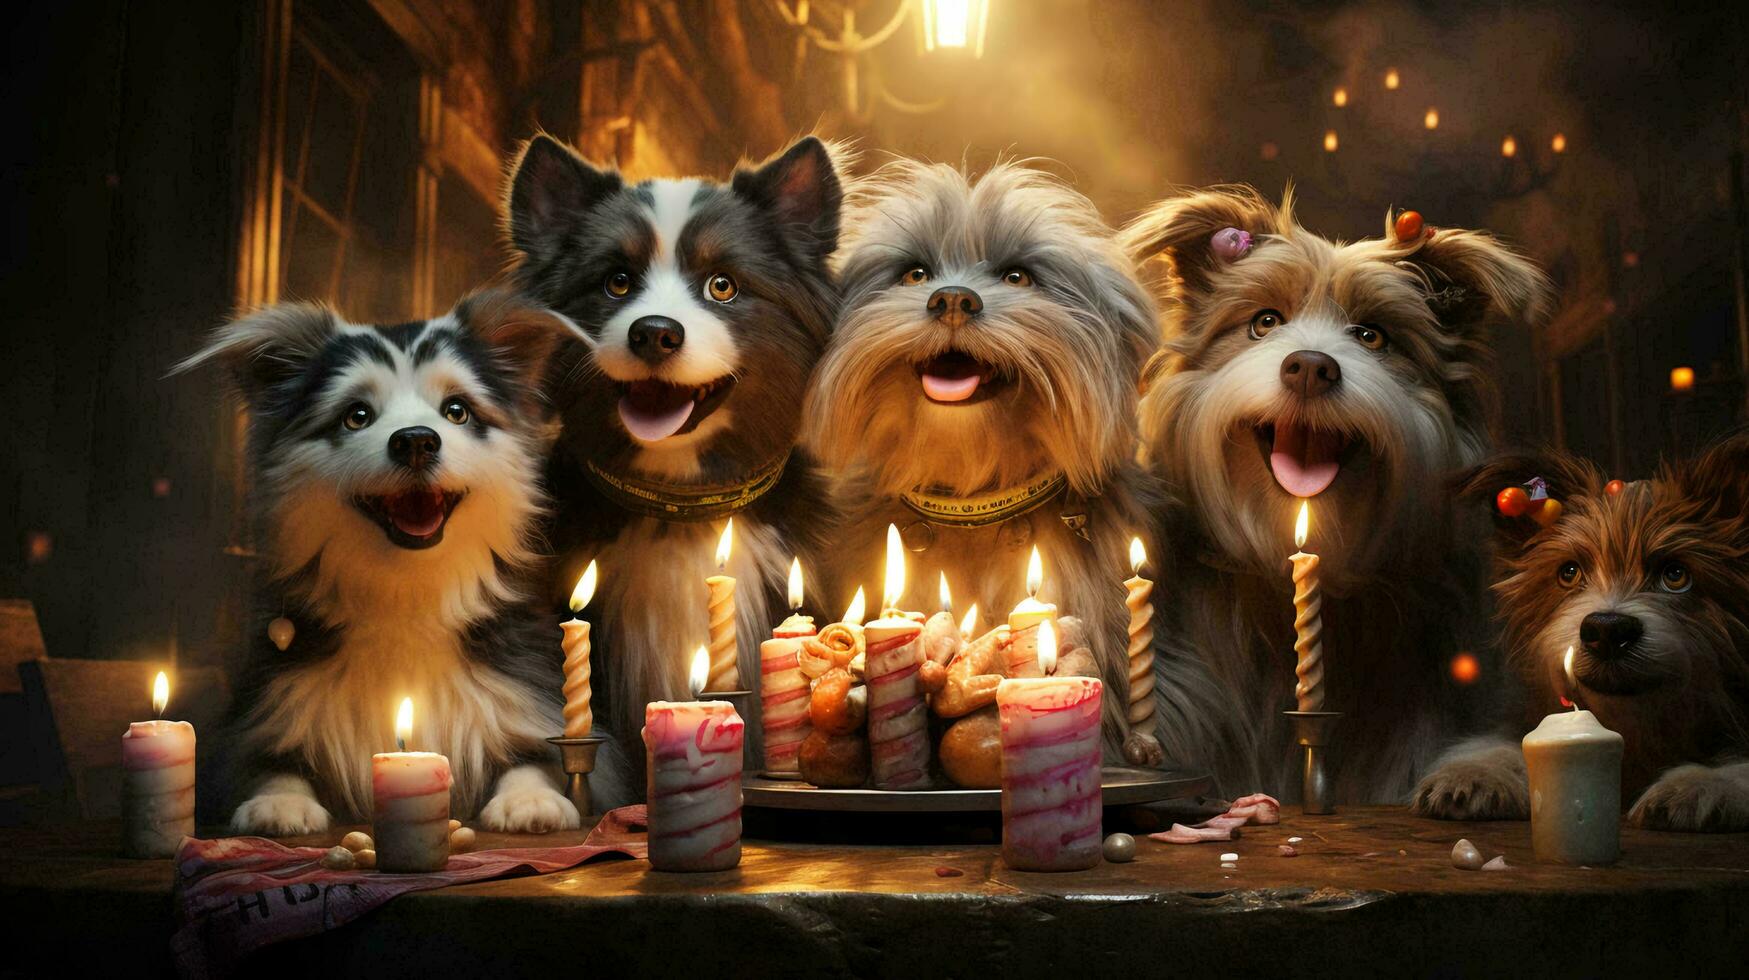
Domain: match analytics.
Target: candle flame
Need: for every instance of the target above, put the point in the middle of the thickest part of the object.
(1572, 682)
(895, 584)
(1303, 525)
(725, 543)
(857, 610)
(795, 584)
(160, 692)
(969, 624)
(701, 669)
(1035, 572)
(1138, 556)
(946, 596)
(585, 589)
(404, 724)
(1047, 647)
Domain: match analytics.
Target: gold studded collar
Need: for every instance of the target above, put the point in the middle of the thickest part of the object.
(985, 509)
(682, 501)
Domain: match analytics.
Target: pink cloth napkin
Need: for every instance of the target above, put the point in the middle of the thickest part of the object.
(237, 894)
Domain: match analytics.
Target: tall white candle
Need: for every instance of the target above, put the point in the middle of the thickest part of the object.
(1051, 796)
(694, 783)
(410, 803)
(157, 759)
(1308, 619)
(1575, 786)
(898, 716)
(783, 687)
(579, 720)
(725, 672)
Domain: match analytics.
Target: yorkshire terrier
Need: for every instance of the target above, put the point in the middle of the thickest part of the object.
(979, 393)
(395, 484)
(705, 305)
(1355, 376)
(1647, 583)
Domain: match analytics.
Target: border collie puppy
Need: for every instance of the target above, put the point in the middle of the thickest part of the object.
(1356, 375)
(980, 394)
(395, 474)
(1647, 582)
(705, 306)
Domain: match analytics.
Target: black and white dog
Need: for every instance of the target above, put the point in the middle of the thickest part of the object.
(706, 306)
(395, 475)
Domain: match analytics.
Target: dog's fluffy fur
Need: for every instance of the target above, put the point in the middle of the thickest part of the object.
(744, 361)
(405, 571)
(1057, 351)
(1650, 588)
(1405, 323)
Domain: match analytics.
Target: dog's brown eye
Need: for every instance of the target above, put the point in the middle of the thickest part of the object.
(1264, 322)
(1569, 574)
(915, 276)
(358, 415)
(1370, 337)
(1017, 277)
(721, 288)
(618, 284)
(1674, 577)
(455, 410)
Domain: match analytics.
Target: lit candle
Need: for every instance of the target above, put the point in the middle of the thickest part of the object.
(1308, 621)
(1023, 622)
(1140, 601)
(1575, 785)
(410, 803)
(579, 720)
(969, 624)
(783, 687)
(157, 789)
(725, 673)
(694, 789)
(898, 719)
(1051, 801)
(941, 635)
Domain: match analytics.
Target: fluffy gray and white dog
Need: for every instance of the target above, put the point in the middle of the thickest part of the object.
(395, 478)
(1355, 375)
(979, 393)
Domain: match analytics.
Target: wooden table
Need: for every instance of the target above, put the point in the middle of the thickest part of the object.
(1371, 892)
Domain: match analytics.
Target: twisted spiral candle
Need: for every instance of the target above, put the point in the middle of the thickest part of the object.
(579, 720)
(1141, 650)
(1308, 632)
(725, 673)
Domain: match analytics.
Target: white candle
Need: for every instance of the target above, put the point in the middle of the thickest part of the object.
(1051, 798)
(410, 803)
(579, 720)
(783, 687)
(898, 716)
(725, 671)
(694, 789)
(1024, 620)
(1308, 619)
(157, 759)
(1141, 654)
(1575, 786)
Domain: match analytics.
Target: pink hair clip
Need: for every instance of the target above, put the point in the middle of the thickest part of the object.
(1231, 244)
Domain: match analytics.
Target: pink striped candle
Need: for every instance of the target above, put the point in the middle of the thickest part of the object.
(694, 788)
(1050, 772)
(157, 760)
(410, 810)
(898, 720)
(783, 695)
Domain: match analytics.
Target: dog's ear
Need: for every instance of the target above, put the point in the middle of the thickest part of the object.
(1720, 474)
(551, 189)
(1567, 476)
(800, 189)
(1467, 274)
(1183, 229)
(521, 336)
(266, 347)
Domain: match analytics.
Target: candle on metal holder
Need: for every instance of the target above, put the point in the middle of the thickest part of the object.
(1308, 619)
(725, 672)
(579, 720)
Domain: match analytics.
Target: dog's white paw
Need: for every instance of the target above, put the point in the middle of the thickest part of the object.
(530, 810)
(280, 815)
(1474, 789)
(1696, 798)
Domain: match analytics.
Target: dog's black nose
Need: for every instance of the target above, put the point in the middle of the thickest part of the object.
(954, 305)
(653, 338)
(1608, 635)
(1309, 373)
(415, 447)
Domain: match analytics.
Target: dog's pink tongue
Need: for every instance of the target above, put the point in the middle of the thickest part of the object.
(416, 512)
(1304, 460)
(654, 411)
(942, 389)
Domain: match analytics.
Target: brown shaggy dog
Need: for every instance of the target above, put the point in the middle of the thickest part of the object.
(1650, 587)
(1355, 375)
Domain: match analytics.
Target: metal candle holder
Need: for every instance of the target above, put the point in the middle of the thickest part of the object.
(1312, 732)
(739, 699)
(578, 756)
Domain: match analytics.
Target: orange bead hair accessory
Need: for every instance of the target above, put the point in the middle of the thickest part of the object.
(1408, 226)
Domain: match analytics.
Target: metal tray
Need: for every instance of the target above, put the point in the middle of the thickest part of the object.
(1122, 786)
